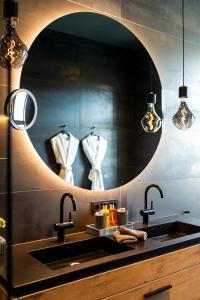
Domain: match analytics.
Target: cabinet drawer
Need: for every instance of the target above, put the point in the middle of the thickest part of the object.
(127, 278)
(183, 285)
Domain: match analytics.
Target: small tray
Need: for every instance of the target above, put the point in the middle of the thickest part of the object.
(108, 231)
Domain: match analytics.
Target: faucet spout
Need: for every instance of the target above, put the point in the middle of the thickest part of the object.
(74, 205)
(146, 192)
(61, 226)
(151, 211)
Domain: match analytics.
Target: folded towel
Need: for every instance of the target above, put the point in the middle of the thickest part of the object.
(124, 238)
(142, 235)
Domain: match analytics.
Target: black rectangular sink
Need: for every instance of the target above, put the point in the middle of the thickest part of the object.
(170, 231)
(70, 255)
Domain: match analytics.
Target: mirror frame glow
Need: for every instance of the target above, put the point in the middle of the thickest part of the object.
(16, 106)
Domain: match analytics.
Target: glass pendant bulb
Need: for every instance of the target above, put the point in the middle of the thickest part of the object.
(151, 122)
(184, 118)
(13, 52)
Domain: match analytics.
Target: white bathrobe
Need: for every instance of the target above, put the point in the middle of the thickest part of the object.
(65, 147)
(95, 149)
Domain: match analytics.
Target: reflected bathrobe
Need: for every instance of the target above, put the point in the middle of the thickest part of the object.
(95, 149)
(65, 147)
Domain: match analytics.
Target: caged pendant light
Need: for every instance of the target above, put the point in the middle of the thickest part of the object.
(13, 52)
(183, 119)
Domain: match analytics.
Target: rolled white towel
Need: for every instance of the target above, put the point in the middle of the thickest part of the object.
(2, 245)
(124, 238)
(139, 234)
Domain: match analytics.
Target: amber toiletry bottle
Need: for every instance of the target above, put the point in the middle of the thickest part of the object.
(106, 212)
(112, 215)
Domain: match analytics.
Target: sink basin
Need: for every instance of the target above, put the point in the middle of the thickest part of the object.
(70, 255)
(170, 231)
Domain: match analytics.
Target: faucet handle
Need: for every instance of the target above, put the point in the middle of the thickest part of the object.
(74, 204)
(70, 216)
(62, 226)
(152, 205)
(144, 212)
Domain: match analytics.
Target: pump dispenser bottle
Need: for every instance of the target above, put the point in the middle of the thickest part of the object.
(112, 215)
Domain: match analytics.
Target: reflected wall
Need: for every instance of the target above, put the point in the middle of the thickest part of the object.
(82, 82)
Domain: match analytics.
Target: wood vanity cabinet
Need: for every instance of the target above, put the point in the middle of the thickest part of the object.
(182, 285)
(172, 276)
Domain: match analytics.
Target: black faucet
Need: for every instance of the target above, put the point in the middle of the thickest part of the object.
(149, 211)
(60, 227)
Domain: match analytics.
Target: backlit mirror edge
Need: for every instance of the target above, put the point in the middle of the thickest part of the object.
(142, 40)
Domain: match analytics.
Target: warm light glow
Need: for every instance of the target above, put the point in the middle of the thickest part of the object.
(13, 52)
(10, 53)
(2, 223)
(149, 119)
(47, 178)
(151, 122)
(3, 117)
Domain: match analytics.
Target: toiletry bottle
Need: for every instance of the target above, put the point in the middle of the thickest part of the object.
(106, 212)
(122, 216)
(113, 215)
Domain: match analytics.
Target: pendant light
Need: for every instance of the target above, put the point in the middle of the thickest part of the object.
(13, 52)
(151, 122)
(184, 118)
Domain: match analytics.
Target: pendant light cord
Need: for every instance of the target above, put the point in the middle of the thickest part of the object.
(9, 207)
(151, 75)
(183, 27)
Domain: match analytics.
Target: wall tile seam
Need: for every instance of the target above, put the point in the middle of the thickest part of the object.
(154, 180)
(94, 9)
(121, 20)
(122, 188)
(42, 190)
(168, 35)
(5, 85)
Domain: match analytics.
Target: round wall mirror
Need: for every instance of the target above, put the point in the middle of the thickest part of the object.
(22, 109)
(91, 77)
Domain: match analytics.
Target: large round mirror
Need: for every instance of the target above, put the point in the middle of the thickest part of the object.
(91, 77)
(22, 109)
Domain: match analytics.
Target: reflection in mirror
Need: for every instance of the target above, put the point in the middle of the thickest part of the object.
(151, 122)
(88, 70)
(22, 109)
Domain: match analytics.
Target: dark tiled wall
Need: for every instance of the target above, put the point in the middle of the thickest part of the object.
(175, 166)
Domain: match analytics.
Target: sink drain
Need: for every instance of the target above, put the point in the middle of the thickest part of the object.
(74, 263)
